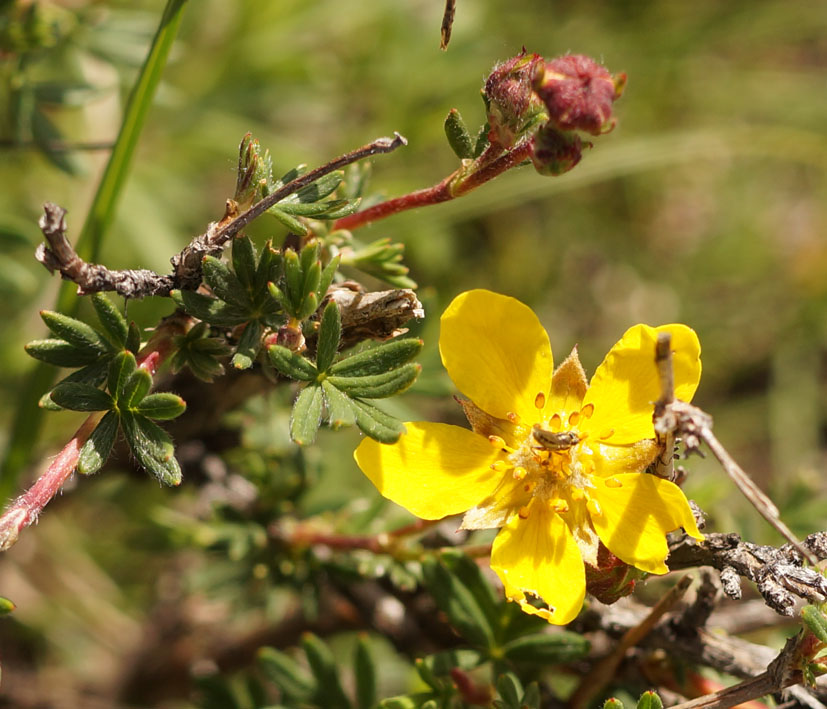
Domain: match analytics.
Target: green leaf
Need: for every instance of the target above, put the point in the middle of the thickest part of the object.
(440, 664)
(291, 364)
(224, 283)
(458, 136)
(377, 424)
(327, 276)
(133, 339)
(76, 332)
(350, 207)
(283, 671)
(330, 333)
(293, 280)
(340, 409)
(110, 317)
(299, 209)
(459, 603)
(531, 698)
(510, 691)
(309, 255)
(547, 649)
(815, 621)
(267, 271)
(152, 447)
(378, 386)
(6, 606)
(96, 450)
(134, 389)
(649, 700)
(162, 406)
(613, 703)
(308, 306)
(248, 346)
(378, 360)
(329, 692)
(122, 367)
(312, 279)
(321, 188)
(211, 310)
(365, 671)
(482, 140)
(81, 397)
(307, 415)
(292, 224)
(468, 573)
(60, 353)
(244, 262)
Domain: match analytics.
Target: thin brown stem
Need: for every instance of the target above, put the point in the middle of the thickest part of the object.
(664, 465)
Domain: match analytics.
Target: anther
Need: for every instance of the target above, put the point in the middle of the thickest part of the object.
(511, 416)
(587, 411)
(524, 512)
(529, 486)
(519, 473)
(558, 505)
(540, 401)
(613, 482)
(606, 433)
(496, 441)
(499, 466)
(555, 423)
(593, 507)
(574, 417)
(576, 494)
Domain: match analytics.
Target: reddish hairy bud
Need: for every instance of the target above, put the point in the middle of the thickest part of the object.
(510, 98)
(612, 579)
(579, 93)
(556, 152)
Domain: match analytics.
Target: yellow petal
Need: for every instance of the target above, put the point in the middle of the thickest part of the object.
(637, 511)
(496, 352)
(539, 556)
(604, 460)
(434, 470)
(626, 385)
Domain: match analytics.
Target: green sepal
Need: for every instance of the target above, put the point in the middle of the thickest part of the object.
(283, 671)
(244, 262)
(364, 670)
(76, 332)
(111, 319)
(378, 360)
(292, 364)
(133, 339)
(224, 283)
(121, 368)
(96, 450)
(292, 224)
(6, 606)
(162, 406)
(378, 386)
(248, 346)
(340, 409)
(461, 603)
(211, 310)
(307, 415)
(330, 333)
(649, 700)
(329, 692)
(547, 649)
(134, 389)
(152, 447)
(458, 136)
(815, 620)
(377, 424)
(60, 353)
(81, 397)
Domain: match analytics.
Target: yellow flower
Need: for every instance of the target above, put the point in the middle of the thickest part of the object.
(555, 462)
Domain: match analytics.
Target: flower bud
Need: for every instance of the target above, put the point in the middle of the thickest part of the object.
(578, 93)
(510, 99)
(611, 579)
(556, 152)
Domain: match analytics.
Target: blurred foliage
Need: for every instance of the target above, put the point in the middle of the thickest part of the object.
(706, 205)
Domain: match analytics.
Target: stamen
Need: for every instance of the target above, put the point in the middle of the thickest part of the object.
(529, 486)
(555, 423)
(588, 467)
(606, 433)
(574, 417)
(524, 511)
(496, 441)
(519, 473)
(511, 416)
(558, 505)
(576, 494)
(593, 507)
(499, 466)
(587, 411)
(613, 482)
(540, 401)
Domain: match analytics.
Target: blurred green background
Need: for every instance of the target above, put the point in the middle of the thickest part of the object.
(706, 205)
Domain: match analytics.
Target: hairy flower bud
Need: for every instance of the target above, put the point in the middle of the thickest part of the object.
(611, 579)
(556, 152)
(579, 93)
(512, 104)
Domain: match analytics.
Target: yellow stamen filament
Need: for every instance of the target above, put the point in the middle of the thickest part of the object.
(613, 482)
(520, 472)
(587, 411)
(540, 401)
(574, 417)
(555, 423)
(593, 507)
(606, 433)
(558, 505)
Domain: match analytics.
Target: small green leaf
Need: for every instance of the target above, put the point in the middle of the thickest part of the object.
(482, 140)
(321, 188)
(458, 136)
(314, 209)
(308, 306)
(613, 703)
(134, 389)
(364, 669)
(329, 692)
(531, 698)
(309, 255)
(280, 297)
(816, 621)
(122, 367)
(248, 346)
(268, 270)
(60, 353)
(312, 278)
(224, 283)
(307, 415)
(292, 280)
(211, 310)
(329, 334)
(378, 360)
(377, 424)
(327, 276)
(291, 364)
(350, 207)
(292, 224)
(162, 406)
(510, 691)
(244, 262)
(340, 410)
(6, 606)
(547, 649)
(283, 671)
(78, 333)
(152, 447)
(81, 397)
(96, 450)
(468, 572)
(378, 386)
(133, 339)
(649, 700)
(110, 317)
